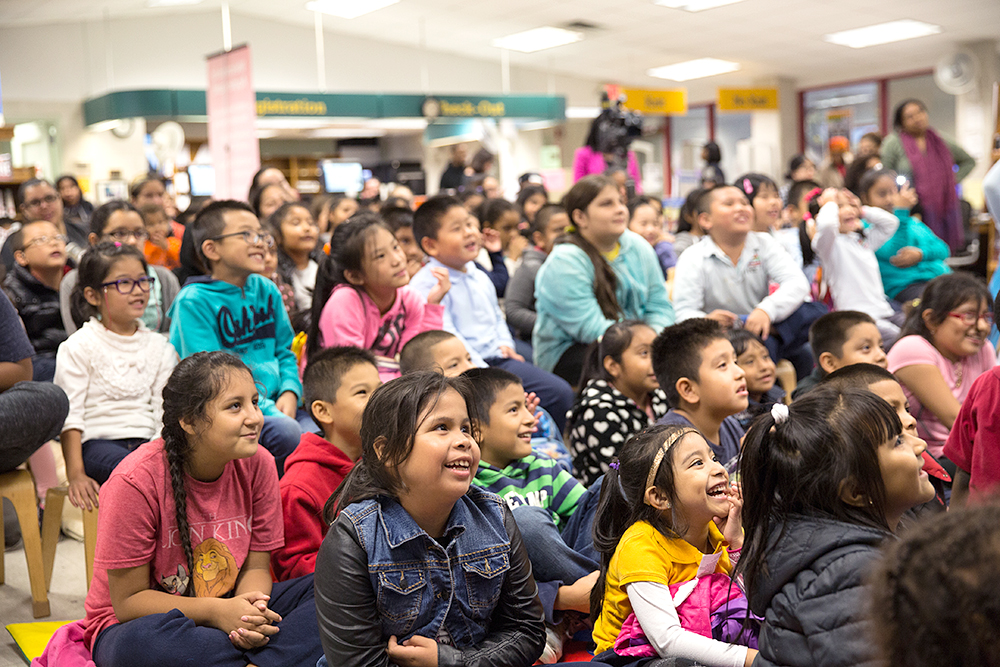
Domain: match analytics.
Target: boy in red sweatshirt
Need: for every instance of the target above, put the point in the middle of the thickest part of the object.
(337, 384)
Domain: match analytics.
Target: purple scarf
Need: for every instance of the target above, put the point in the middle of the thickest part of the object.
(934, 181)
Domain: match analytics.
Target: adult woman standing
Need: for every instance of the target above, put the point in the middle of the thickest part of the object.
(600, 275)
(920, 154)
(75, 207)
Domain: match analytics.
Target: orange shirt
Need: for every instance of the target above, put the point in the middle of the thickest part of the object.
(169, 257)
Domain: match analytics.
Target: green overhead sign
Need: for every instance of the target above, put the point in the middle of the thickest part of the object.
(190, 105)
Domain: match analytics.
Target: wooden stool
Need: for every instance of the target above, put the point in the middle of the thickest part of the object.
(18, 486)
(51, 524)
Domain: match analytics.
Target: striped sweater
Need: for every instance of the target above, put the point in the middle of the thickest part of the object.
(534, 480)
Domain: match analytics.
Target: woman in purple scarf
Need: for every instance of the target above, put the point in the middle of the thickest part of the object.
(919, 153)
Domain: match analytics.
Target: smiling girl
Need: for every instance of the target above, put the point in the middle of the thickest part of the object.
(942, 351)
(112, 368)
(296, 235)
(605, 271)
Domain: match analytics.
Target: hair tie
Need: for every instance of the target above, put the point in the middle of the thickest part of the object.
(118, 244)
(813, 193)
(614, 464)
(779, 412)
(747, 186)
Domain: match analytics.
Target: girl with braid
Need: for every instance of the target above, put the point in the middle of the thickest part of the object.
(181, 572)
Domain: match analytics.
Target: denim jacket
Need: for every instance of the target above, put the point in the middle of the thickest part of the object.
(379, 574)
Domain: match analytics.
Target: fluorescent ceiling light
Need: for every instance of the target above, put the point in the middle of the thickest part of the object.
(170, 3)
(694, 69)
(348, 9)
(883, 33)
(537, 39)
(694, 5)
(583, 112)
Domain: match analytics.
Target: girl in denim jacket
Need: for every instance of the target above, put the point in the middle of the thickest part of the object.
(420, 569)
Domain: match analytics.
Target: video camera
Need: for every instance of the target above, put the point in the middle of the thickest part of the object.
(616, 128)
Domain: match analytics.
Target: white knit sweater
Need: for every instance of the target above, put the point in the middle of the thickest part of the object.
(114, 383)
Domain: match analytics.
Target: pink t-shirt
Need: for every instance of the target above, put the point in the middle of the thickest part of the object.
(917, 351)
(350, 317)
(238, 513)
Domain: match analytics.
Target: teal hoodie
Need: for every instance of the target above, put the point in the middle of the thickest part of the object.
(567, 308)
(911, 232)
(250, 323)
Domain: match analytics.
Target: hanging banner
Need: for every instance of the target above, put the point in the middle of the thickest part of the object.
(232, 113)
(656, 102)
(748, 99)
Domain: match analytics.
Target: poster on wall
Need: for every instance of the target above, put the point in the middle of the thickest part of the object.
(838, 123)
(232, 115)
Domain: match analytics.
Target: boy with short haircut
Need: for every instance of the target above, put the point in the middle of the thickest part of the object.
(445, 231)
(519, 303)
(840, 339)
(337, 383)
(553, 511)
(696, 366)
(33, 287)
(727, 278)
(236, 310)
(884, 384)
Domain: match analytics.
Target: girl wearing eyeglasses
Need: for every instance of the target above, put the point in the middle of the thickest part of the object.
(942, 350)
(113, 368)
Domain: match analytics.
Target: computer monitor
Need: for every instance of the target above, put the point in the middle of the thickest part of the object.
(342, 176)
(202, 178)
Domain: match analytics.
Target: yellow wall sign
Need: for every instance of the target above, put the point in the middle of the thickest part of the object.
(656, 102)
(748, 99)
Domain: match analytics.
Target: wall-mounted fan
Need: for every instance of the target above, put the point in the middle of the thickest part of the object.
(956, 73)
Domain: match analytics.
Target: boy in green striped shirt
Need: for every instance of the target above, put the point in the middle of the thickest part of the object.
(553, 511)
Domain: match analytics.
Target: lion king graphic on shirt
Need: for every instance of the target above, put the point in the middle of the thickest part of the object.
(215, 569)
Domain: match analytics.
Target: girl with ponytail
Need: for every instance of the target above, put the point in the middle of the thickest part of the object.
(181, 571)
(602, 273)
(363, 298)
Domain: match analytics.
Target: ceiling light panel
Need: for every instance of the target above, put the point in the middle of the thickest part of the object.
(695, 5)
(694, 69)
(348, 9)
(882, 33)
(538, 39)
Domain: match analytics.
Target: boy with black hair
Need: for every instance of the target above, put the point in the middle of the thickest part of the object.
(236, 310)
(400, 223)
(727, 277)
(884, 384)
(33, 286)
(445, 231)
(696, 366)
(840, 339)
(519, 303)
(337, 383)
(553, 511)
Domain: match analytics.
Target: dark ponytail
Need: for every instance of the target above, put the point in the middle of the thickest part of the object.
(623, 495)
(95, 265)
(612, 343)
(195, 382)
(347, 250)
(579, 198)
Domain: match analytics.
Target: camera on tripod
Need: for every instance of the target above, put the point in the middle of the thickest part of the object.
(616, 128)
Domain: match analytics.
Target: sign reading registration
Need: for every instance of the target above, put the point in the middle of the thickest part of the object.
(748, 99)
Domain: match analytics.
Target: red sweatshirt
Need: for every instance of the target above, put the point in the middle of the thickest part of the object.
(312, 473)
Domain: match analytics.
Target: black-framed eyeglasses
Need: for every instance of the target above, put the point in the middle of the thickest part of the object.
(123, 235)
(127, 285)
(43, 240)
(47, 199)
(250, 238)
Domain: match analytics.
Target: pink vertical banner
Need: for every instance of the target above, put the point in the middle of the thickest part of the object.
(232, 116)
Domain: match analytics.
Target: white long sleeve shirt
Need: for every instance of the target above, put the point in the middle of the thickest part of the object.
(114, 383)
(706, 279)
(850, 267)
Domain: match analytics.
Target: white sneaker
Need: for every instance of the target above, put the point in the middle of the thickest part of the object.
(553, 646)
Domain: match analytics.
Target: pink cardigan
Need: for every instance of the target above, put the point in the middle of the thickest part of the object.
(350, 317)
(587, 161)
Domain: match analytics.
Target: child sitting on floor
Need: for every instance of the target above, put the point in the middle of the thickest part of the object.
(763, 390)
(840, 339)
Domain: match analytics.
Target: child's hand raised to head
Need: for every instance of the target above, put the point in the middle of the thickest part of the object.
(443, 285)
(417, 651)
(731, 525)
(491, 240)
(827, 196)
(531, 401)
(905, 197)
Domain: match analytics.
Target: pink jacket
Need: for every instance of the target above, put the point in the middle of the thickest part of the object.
(350, 317)
(587, 161)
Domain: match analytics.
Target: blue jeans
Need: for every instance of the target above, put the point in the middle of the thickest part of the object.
(555, 394)
(552, 559)
(163, 640)
(280, 435)
(100, 457)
